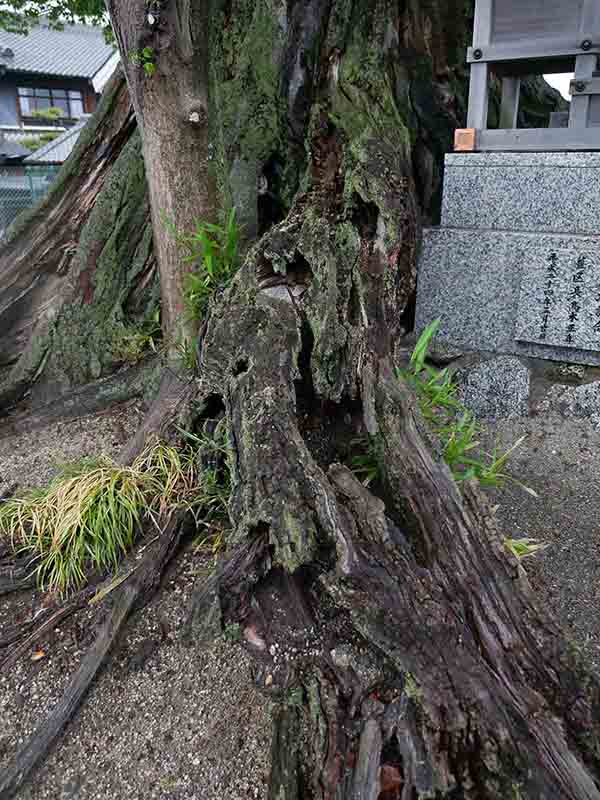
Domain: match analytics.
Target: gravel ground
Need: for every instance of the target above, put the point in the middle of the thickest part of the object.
(560, 460)
(31, 458)
(169, 721)
(163, 720)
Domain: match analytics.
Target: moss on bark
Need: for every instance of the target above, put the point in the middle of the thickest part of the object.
(115, 248)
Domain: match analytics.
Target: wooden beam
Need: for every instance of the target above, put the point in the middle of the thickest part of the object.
(538, 140)
(532, 50)
(509, 108)
(579, 116)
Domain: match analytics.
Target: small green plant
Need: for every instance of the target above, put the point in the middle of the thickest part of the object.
(454, 426)
(516, 792)
(458, 431)
(524, 548)
(411, 688)
(212, 254)
(144, 58)
(131, 343)
(233, 632)
(188, 354)
(34, 143)
(90, 515)
(213, 454)
(366, 464)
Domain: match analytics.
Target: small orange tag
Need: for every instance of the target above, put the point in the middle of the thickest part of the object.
(464, 140)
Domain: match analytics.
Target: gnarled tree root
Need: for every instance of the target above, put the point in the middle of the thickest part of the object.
(133, 592)
(397, 626)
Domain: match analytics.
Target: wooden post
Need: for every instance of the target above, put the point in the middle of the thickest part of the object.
(478, 86)
(585, 65)
(579, 116)
(509, 109)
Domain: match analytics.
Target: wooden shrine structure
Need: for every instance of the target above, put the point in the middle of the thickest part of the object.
(515, 38)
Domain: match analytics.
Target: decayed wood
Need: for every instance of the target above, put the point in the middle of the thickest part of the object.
(134, 591)
(421, 581)
(33, 630)
(389, 626)
(15, 574)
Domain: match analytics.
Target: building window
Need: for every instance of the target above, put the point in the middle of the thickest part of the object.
(70, 102)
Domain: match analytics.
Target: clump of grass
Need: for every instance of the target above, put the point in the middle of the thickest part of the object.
(458, 431)
(80, 522)
(454, 426)
(89, 517)
(188, 354)
(214, 455)
(212, 253)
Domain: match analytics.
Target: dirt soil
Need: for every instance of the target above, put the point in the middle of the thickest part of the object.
(168, 721)
(164, 720)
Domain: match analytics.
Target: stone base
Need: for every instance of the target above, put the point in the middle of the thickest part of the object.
(541, 192)
(527, 294)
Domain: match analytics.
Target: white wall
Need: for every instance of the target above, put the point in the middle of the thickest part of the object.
(561, 82)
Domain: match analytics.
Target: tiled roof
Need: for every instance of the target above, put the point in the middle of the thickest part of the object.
(10, 150)
(58, 150)
(78, 51)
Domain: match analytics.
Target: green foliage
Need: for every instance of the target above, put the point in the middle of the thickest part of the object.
(212, 252)
(214, 453)
(52, 114)
(144, 58)
(188, 354)
(131, 343)
(49, 115)
(90, 515)
(419, 354)
(449, 420)
(19, 16)
(34, 143)
(411, 688)
(366, 465)
(524, 548)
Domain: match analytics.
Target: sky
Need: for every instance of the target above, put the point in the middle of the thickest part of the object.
(560, 82)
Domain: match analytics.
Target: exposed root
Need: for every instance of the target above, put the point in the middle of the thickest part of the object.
(15, 575)
(170, 403)
(133, 592)
(404, 630)
(33, 630)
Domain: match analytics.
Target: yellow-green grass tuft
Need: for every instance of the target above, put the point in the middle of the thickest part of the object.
(89, 517)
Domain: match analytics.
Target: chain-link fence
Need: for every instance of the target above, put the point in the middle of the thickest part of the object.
(22, 187)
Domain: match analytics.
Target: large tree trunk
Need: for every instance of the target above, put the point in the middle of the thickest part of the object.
(398, 639)
(78, 267)
(164, 50)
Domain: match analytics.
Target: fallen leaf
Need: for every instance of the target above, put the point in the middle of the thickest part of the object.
(39, 654)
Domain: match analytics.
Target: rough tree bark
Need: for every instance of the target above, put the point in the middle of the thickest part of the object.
(79, 266)
(400, 642)
(171, 108)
